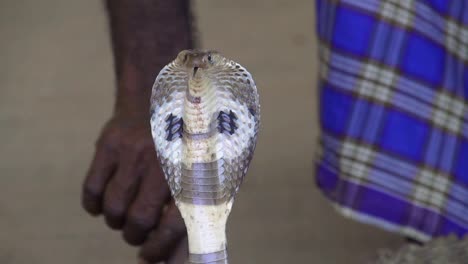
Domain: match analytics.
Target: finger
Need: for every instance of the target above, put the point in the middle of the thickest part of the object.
(180, 254)
(121, 190)
(163, 240)
(145, 211)
(100, 171)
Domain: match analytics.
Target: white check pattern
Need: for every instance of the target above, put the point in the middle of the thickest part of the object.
(431, 189)
(355, 160)
(398, 11)
(457, 39)
(449, 112)
(376, 82)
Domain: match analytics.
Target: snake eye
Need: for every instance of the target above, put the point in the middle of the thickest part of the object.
(210, 58)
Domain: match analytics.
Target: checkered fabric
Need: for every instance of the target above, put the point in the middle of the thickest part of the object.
(394, 113)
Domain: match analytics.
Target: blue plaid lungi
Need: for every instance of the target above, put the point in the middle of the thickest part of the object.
(393, 89)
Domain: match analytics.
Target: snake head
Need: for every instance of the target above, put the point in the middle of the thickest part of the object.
(194, 60)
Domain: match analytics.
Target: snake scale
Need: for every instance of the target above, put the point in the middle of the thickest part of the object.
(205, 117)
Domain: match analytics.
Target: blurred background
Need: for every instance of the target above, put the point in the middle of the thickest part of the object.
(57, 90)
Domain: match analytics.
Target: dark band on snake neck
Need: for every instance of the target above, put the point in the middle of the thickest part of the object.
(199, 136)
(193, 99)
(219, 257)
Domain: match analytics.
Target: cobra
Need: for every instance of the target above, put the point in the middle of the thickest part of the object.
(205, 117)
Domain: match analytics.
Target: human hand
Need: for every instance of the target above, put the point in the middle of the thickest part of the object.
(125, 183)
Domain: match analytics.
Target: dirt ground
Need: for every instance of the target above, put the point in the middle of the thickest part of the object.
(56, 91)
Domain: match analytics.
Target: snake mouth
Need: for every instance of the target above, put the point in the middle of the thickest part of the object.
(195, 69)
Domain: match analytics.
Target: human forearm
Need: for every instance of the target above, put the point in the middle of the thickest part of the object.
(125, 182)
(146, 35)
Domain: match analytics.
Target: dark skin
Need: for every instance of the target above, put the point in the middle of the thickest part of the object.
(125, 182)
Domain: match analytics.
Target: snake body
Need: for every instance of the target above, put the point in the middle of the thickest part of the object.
(205, 118)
